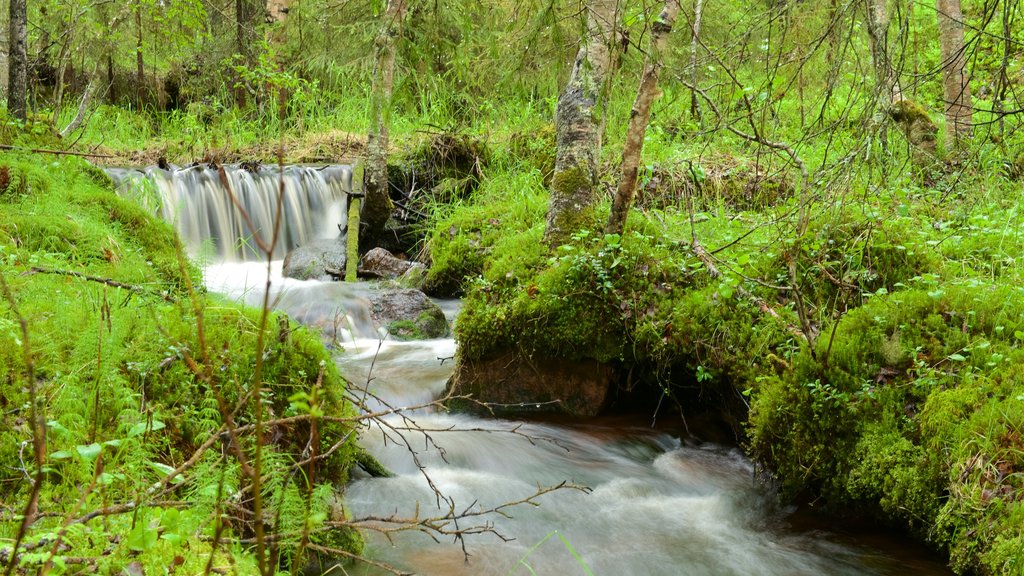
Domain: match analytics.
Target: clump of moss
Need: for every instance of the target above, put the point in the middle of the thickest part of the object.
(474, 237)
(916, 124)
(929, 436)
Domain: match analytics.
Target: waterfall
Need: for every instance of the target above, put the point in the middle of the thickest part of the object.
(196, 202)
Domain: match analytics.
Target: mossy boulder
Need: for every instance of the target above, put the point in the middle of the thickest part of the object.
(408, 314)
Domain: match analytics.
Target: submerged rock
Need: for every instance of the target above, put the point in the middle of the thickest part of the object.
(408, 314)
(513, 383)
(322, 259)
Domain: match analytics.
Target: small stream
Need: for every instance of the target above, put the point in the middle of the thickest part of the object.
(648, 502)
(656, 502)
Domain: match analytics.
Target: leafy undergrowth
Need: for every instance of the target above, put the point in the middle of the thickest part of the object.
(908, 410)
(134, 372)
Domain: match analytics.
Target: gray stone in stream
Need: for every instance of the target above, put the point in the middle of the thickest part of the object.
(408, 314)
(383, 264)
(511, 383)
(319, 260)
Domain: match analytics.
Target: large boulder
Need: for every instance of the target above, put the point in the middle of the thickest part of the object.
(511, 382)
(322, 259)
(408, 314)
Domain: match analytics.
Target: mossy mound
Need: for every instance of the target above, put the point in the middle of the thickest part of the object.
(473, 236)
(913, 411)
(136, 370)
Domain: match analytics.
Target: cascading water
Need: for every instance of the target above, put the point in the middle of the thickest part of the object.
(658, 503)
(200, 207)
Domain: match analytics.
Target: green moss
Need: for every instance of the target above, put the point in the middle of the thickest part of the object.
(929, 436)
(572, 192)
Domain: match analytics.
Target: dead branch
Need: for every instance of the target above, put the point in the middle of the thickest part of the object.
(57, 152)
(107, 281)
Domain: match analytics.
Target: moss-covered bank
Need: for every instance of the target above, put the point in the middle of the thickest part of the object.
(136, 369)
(909, 409)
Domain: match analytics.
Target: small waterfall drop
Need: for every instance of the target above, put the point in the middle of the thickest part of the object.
(200, 207)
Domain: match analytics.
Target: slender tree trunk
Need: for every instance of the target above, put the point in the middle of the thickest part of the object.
(574, 183)
(639, 117)
(1003, 82)
(140, 69)
(885, 82)
(698, 13)
(17, 87)
(377, 205)
(955, 82)
(241, 21)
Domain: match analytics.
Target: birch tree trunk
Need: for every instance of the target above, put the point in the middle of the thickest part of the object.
(639, 117)
(17, 87)
(574, 182)
(377, 204)
(956, 89)
(886, 80)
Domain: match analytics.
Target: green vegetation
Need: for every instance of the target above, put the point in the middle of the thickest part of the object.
(811, 254)
(132, 374)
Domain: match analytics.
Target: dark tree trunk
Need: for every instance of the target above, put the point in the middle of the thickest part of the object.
(17, 87)
(377, 205)
(140, 69)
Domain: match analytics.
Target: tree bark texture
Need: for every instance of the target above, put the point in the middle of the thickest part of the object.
(17, 90)
(140, 69)
(886, 79)
(377, 204)
(698, 14)
(639, 116)
(577, 129)
(955, 82)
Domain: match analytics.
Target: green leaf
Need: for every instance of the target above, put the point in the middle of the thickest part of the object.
(89, 452)
(163, 469)
(57, 427)
(142, 538)
(141, 428)
(61, 455)
(956, 358)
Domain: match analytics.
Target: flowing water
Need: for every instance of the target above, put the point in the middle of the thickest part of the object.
(655, 502)
(203, 210)
(645, 502)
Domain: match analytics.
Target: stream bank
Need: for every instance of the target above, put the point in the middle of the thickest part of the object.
(896, 396)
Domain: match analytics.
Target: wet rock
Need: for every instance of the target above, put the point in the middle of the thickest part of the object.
(408, 314)
(511, 383)
(319, 260)
(380, 263)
